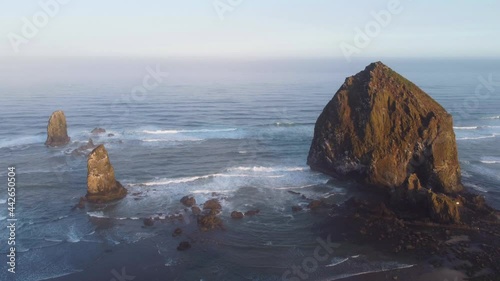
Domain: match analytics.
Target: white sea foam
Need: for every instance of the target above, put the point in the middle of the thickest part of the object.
(171, 140)
(476, 138)
(19, 141)
(492, 117)
(490, 162)
(478, 188)
(481, 127)
(167, 181)
(268, 169)
(97, 214)
(3, 201)
(466, 128)
(337, 262)
(164, 132)
(383, 269)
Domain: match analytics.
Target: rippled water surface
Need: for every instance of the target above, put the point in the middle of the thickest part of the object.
(240, 132)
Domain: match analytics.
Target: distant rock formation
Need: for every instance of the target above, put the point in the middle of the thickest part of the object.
(382, 129)
(57, 132)
(101, 183)
(97, 131)
(82, 150)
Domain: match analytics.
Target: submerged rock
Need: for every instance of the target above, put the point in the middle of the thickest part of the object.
(237, 215)
(183, 246)
(210, 221)
(148, 222)
(380, 128)
(82, 149)
(188, 201)
(196, 210)
(315, 204)
(101, 183)
(177, 232)
(57, 131)
(97, 131)
(212, 205)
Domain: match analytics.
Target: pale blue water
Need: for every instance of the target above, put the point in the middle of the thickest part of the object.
(242, 130)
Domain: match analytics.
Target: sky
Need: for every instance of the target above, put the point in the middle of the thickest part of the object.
(250, 28)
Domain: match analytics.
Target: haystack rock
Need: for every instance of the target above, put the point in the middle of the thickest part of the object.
(57, 132)
(101, 183)
(383, 130)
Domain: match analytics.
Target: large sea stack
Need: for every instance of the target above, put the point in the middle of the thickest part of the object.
(383, 130)
(57, 132)
(101, 183)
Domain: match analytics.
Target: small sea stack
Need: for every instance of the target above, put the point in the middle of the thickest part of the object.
(101, 183)
(384, 131)
(57, 131)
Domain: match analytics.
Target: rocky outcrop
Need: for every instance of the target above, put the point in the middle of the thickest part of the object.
(57, 131)
(101, 183)
(188, 201)
(236, 215)
(381, 129)
(83, 149)
(97, 131)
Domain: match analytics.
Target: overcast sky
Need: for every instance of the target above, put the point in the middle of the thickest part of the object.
(252, 28)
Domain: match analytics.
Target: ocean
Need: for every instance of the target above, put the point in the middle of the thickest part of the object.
(236, 130)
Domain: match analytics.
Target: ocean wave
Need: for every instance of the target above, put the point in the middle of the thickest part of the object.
(476, 127)
(337, 261)
(20, 141)
(490, 162)
(492, 117)
(164, 132)
(101, 215)
(97, 214)
(167, 181)
(268, 169)
(466, 128)
(382, 268)
(170, 140)
(478, 188)
(476, 138)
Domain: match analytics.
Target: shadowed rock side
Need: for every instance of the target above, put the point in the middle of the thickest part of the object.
(57, 133)
(101, 183)
(382, 129)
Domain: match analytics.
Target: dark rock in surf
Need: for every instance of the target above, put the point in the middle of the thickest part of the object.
(212, 205)
(196, 210)
(57, 131)
(315, 204)
(148, 222)
(82, 149)
(183, 246)
(101, 183)
(177, 232)
(98, 131)
(380, 128)
(251, 213)
(188, 201)
(236, 215)
(210, 221)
